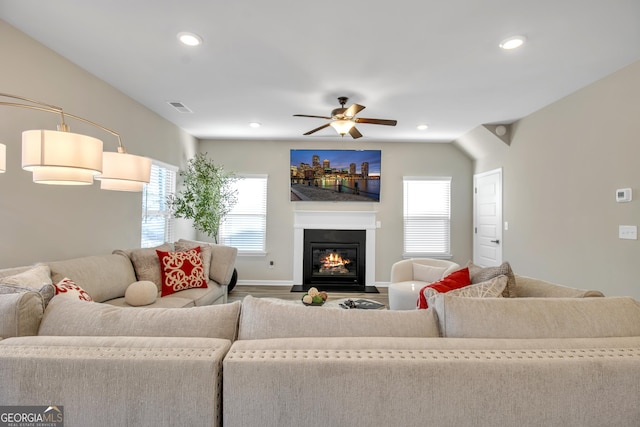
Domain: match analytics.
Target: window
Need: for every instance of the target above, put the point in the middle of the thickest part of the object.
(157, 222)
(427, 216)
(245, 226)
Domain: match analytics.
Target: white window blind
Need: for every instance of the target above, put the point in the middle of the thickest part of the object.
(427, 216)
(245, 227)
(157, 222)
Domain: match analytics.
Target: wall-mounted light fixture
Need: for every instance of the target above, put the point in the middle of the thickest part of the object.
(64, 158)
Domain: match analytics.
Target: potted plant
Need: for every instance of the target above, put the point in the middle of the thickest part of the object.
(206, 197)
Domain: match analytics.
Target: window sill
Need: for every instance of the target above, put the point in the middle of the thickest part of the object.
(426, 255)
(252, 253)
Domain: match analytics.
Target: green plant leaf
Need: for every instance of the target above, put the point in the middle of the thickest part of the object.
(207, 195)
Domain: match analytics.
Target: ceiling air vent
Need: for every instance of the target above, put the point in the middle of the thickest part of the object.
(180, 107)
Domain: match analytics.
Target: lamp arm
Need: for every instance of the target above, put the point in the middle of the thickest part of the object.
(112, 132)
(41, 106)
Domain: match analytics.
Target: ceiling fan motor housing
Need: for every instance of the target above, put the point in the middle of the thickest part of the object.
(338, 113)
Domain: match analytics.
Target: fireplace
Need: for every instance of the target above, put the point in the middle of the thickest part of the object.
(364, 221)
(334, 260)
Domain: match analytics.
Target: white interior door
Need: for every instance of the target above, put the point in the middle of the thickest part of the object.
(487, 218)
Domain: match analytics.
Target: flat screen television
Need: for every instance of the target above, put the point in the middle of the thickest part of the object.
(335, 175)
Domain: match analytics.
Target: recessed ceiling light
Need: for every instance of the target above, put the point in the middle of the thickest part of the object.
(512, 42)
(190, 39)
(255, 124)
(422, 127)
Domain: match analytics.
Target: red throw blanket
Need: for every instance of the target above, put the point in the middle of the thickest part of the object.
(456, 280)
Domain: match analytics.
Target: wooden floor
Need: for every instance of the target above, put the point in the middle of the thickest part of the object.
(284, 292)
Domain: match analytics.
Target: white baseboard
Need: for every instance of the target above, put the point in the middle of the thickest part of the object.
(265, 282)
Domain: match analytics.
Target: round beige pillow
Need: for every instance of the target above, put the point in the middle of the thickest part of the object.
(140, 293)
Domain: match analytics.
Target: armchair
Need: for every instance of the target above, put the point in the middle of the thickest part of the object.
(410, 275)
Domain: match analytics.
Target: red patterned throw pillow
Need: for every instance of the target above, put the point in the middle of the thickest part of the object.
(181, 270)
(68, 289)
(456, 280)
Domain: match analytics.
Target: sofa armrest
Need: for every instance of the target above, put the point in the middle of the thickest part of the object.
(530, 287)
(223, 262)
(20, 313)
(402, 271)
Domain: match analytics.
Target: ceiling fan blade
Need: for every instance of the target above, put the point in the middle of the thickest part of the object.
(317, 129)
(353, 110)
(315, 117)
(355, 134)
(376, 121)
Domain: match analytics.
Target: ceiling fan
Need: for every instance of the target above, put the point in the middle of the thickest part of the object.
(343, 119)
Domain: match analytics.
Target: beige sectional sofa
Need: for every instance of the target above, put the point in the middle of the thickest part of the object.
(463, 362)
(106, 278)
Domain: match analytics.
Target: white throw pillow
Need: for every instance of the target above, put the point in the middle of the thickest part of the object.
(140, 293)
(427, 273)
(492, 288)
(37, 278)
(67, 288)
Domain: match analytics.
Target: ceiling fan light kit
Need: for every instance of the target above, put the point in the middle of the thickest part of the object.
(342, 126)
(343, 119)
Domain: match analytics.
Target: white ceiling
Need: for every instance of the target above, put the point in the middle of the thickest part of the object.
(431, 61)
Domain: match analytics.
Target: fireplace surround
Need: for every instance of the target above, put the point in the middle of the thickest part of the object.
(341, 227)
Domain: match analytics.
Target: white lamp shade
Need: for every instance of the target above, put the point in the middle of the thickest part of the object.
(62, 176)
(124, 172)
(342, 126)
(62, 158)
(3, 158)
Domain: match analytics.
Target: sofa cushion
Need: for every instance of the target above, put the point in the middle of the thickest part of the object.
(69, 317)
(181, 270)
(146, 263)
(20, 313)
(262, 319)
(37, 278)
(66, 288)
(427, 273)
(104, 277)
(455, 280)
(166, 302)
(537, 317)
(200, 296)
(205, 253)
(533, 287)
(223, 259)
(482, 274)
(141, 293)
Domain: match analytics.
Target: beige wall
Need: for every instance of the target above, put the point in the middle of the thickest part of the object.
(560, 175)
(398, 160)
(41, 222)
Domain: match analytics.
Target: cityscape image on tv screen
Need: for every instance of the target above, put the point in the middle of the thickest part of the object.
(335, 175)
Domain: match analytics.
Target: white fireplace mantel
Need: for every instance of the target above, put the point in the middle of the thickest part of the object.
(334, 220)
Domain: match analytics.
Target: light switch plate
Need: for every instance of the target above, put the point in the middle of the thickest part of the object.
(628, 232)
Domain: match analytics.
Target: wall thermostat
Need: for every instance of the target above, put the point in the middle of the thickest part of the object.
(623, 195)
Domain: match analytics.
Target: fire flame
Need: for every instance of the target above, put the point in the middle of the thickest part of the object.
(334, 260)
